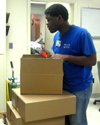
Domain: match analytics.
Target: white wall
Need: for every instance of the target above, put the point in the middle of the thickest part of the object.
(37, 9)
(2, 56)
(20, 30)
(18, 34)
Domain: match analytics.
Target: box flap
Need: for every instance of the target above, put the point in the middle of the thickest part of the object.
(36, 64)
(34, 56)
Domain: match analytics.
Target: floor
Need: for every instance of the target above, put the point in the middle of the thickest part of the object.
(93, 113)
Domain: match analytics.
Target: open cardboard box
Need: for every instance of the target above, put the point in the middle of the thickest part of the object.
(40, 107)
(39, 75)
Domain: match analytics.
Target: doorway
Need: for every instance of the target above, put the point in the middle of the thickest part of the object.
(35, 28)
(37, 21)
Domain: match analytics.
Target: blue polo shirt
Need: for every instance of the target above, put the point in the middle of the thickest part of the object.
(76, 41)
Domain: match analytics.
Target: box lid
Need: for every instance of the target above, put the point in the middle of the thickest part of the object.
(9, 103)
(40, 98)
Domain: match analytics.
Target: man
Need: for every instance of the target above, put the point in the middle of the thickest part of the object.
(74, 45)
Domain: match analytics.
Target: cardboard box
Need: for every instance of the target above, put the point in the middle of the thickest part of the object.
(7, 122)
(39, 75)
(53, 121)
(39, 107)
(15, 119)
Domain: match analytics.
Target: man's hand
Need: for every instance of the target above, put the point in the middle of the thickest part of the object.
(59, 56)
(43, 49)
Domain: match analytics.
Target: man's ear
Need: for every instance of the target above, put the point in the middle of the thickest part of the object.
(59, 17)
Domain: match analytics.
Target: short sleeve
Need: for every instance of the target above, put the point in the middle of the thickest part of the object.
(87, 45)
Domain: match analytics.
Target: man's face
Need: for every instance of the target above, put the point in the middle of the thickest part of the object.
(52, 23)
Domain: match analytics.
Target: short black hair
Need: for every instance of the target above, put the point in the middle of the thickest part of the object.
(56, 10)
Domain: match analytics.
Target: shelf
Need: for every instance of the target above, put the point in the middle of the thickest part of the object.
(7, 26)
(7, 17)
(7, 30)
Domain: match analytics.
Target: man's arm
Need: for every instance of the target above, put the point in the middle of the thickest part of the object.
(78, 60)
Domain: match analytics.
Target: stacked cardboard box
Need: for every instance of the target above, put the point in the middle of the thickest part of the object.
(7, 122)
(39, 109)
(41, 99)
(41, 75)
(13, 118)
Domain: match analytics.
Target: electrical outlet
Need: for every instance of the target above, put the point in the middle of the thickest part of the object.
(10, 45)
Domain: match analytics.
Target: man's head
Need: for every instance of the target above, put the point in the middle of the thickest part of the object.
(56, 14)
(56, 10)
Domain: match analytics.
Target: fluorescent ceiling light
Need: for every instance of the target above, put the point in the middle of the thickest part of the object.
(38, 2)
